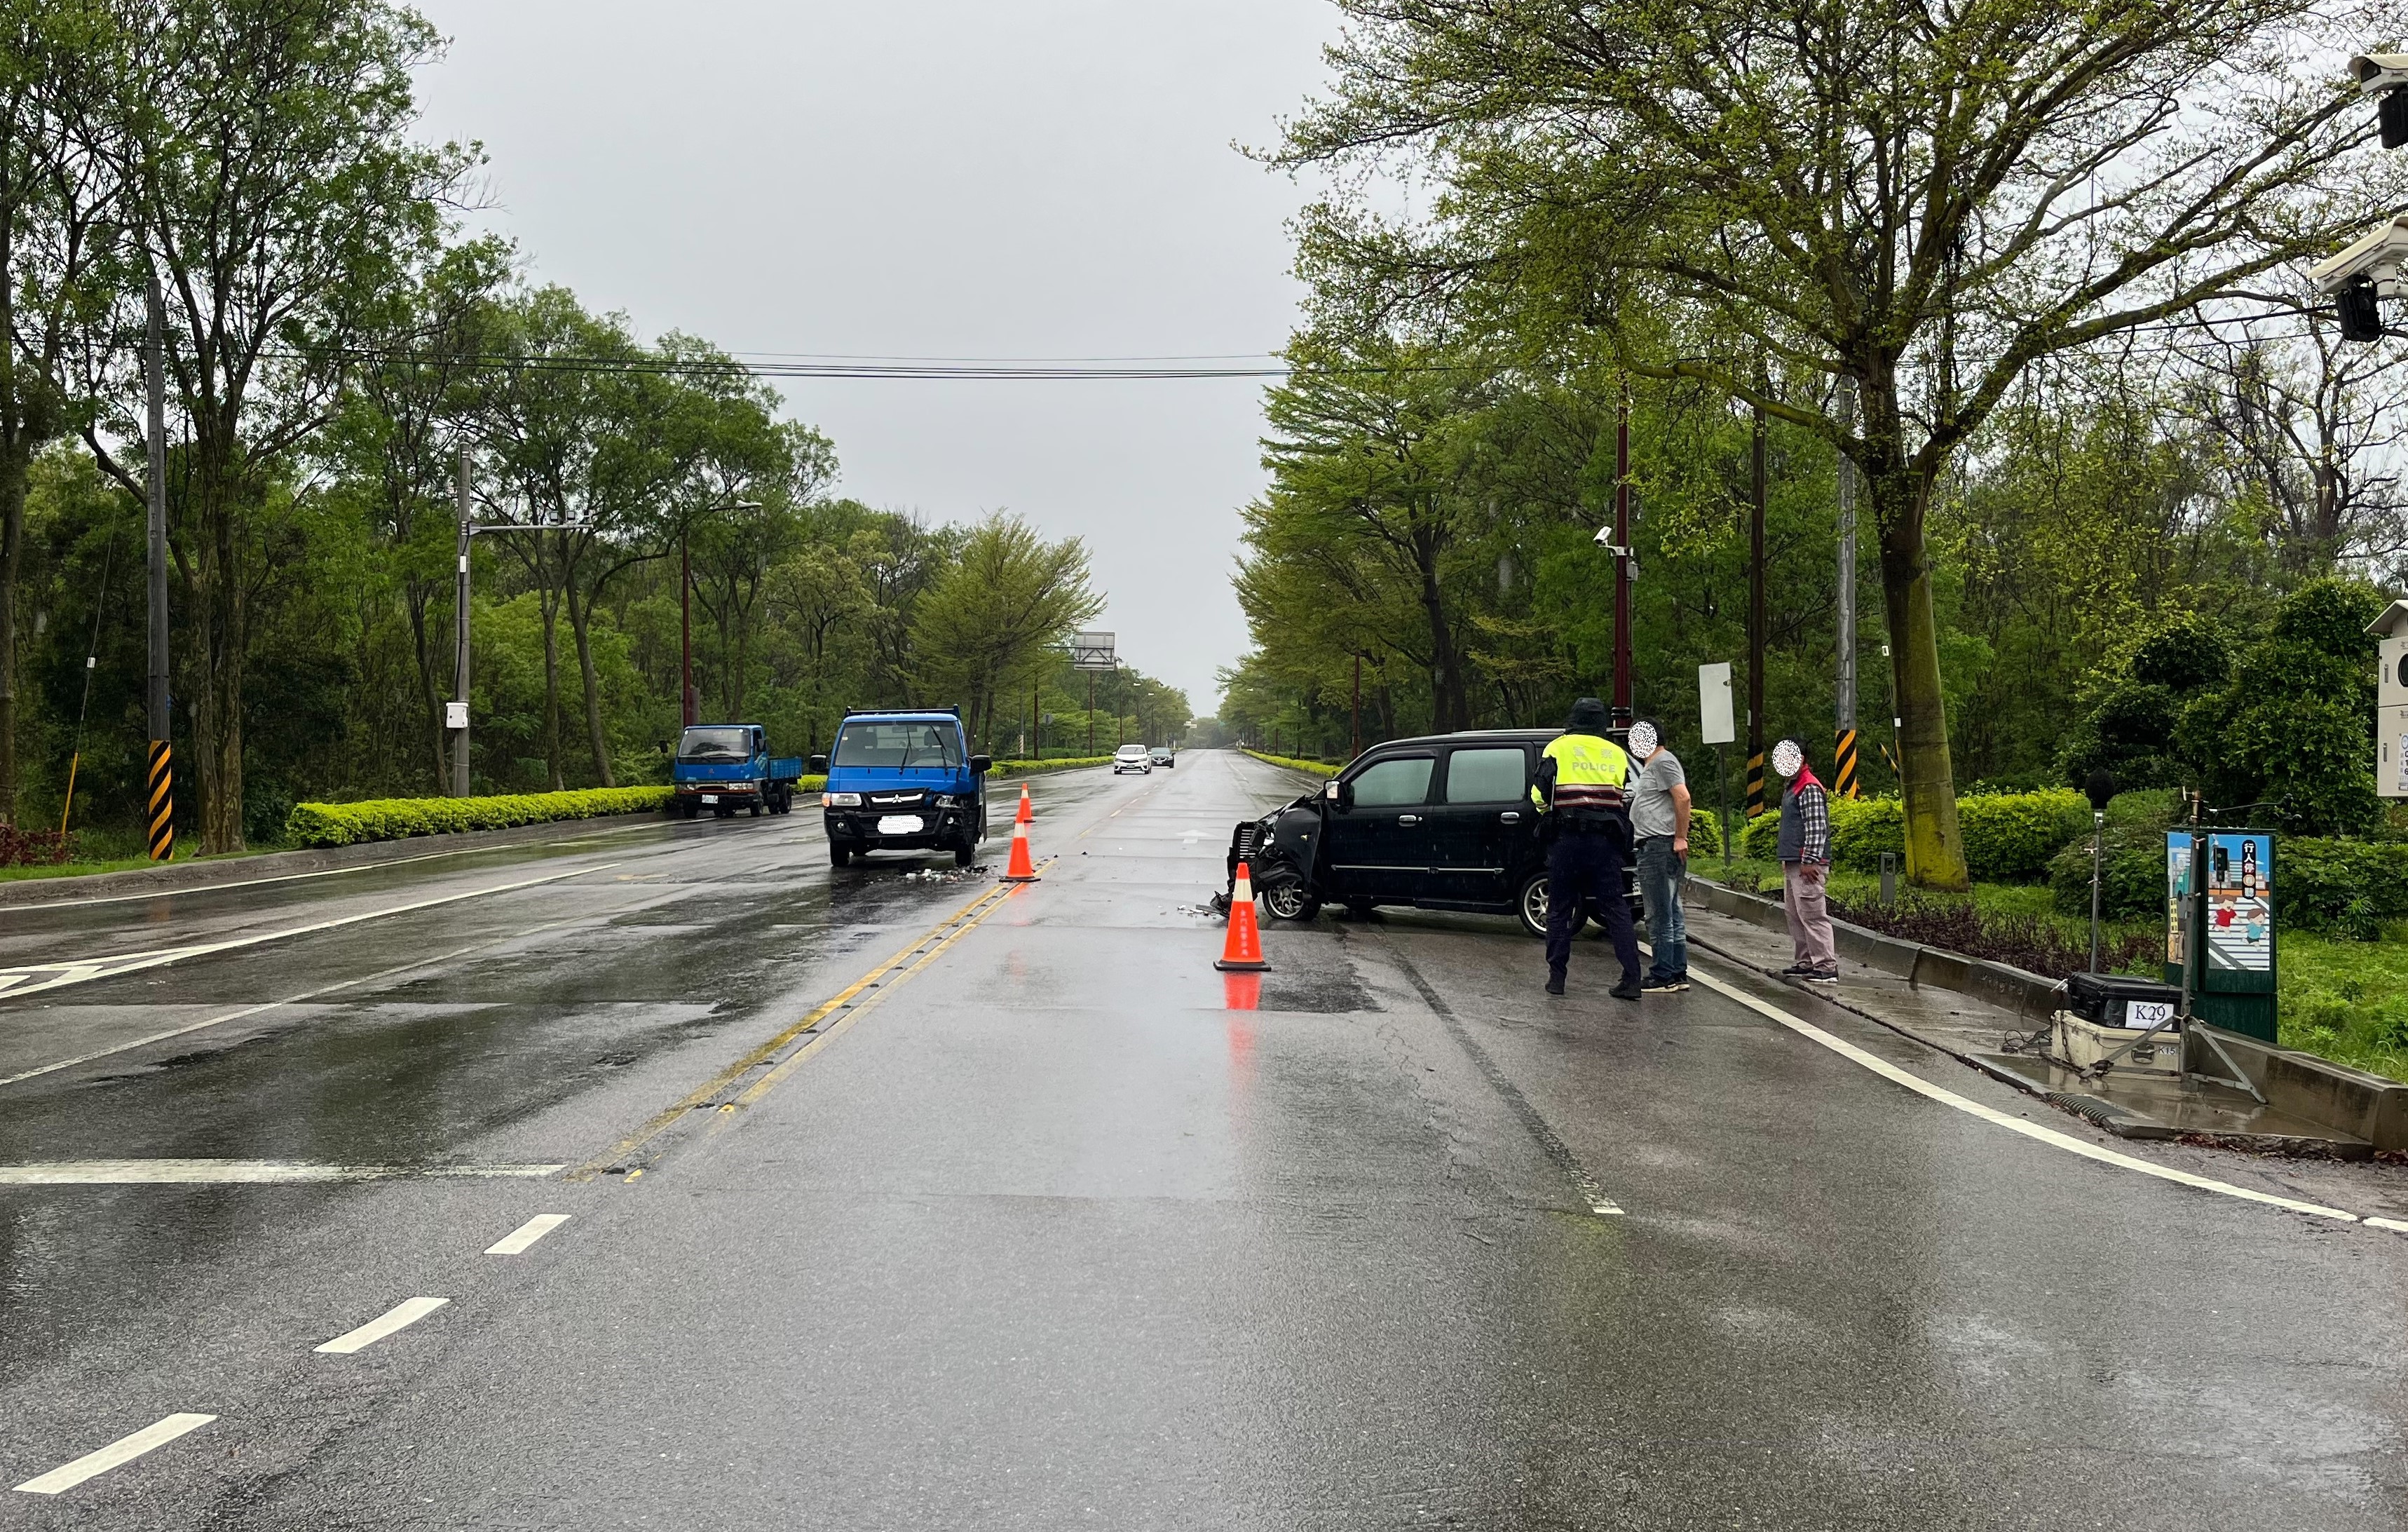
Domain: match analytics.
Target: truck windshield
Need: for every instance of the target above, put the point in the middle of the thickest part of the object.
(715, 745)
(896, 745)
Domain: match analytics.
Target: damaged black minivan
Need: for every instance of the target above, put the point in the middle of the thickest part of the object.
(1445, 822)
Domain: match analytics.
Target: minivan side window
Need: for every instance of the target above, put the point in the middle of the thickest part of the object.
(1486, 776)
(1394, 782)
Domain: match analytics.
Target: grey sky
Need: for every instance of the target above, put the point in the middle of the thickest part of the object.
(1038, 178)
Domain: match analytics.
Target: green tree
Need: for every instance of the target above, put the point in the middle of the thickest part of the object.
(987, 621)
(1922, 204)
(57, 199)
(273, 188)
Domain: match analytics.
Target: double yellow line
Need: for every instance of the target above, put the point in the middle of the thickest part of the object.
(637, 1151)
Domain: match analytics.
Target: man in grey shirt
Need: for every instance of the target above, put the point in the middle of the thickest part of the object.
(1659, 824)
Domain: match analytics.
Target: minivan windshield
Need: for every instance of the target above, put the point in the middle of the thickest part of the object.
(724, 744)
(896, 745)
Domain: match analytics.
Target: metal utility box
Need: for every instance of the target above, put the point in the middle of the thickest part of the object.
(2230, 901)
(2122, 1000)
(2391, 701)
(2391, 751)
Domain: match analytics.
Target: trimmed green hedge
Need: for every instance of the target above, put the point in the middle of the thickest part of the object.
(2009, 836)
(2343, 888)
(1016, 768)
(396, 818)
(1314, 768)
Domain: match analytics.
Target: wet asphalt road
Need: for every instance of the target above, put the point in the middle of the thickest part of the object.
(1072, 1230)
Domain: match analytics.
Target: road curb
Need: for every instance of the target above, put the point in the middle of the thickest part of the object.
(2361, 1105)
(184, 877)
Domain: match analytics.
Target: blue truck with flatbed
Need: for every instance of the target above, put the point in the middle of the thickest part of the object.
(903, 779)
(726, 767)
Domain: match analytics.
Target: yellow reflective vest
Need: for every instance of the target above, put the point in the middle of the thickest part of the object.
(1590, 772)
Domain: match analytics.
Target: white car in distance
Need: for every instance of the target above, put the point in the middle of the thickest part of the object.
(1132, 758)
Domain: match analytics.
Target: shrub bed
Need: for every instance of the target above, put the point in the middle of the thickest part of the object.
(21, 848)
(397, 819)
(2030, 943)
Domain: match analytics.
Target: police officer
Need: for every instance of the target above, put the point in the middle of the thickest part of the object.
(1581, 778)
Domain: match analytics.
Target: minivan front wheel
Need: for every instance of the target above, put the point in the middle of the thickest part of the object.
(1290, 902)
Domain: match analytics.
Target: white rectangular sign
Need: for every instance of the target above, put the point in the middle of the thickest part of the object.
(1093, 652)
(456, 715)
(2391, 753)
(1714, 704)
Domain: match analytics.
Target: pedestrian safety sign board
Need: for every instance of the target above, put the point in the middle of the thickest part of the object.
(2240, 874)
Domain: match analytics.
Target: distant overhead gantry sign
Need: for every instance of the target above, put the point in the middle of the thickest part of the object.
(1093, 652)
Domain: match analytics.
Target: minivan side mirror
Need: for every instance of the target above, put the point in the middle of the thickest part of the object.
(819, 765)
(982, 765)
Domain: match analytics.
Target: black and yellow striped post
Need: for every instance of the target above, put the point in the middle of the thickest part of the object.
(1843, 768)
(161, 817)
(1755, 783)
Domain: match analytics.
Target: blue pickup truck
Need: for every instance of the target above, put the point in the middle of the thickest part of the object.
(726, 767)
(903, 781)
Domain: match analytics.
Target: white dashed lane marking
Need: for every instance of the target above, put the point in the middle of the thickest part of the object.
(401, 1316)
(115, 1455)
(519, 1240)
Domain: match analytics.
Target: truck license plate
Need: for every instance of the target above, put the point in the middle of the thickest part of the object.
(899, 824)
(711, 798)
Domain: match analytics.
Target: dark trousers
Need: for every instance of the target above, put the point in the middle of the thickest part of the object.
(1582, 869)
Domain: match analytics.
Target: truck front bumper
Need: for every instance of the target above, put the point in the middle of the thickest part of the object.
(872, 829)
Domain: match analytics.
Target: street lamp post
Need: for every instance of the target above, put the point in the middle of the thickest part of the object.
(456, 715)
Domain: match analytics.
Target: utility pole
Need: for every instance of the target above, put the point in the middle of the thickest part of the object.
(1755, 627)
(459, 709)
(1843, 713)
(1354, 741)
(160, 817)
(1624, 711)
(1091, 714)
(687, 702)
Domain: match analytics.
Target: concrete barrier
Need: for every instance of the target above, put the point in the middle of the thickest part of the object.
(2297, 1084)
(2303, 1086)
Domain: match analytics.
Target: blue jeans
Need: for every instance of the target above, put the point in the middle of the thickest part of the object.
(1582, 869)
(1660, 885)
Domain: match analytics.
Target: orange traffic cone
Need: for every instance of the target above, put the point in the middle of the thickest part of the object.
(1021, 869)
(1243, 950)
(1025, 812)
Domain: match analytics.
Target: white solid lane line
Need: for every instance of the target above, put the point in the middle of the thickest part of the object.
(173, 1032)
(248, 1172)
(115, 1455)
(401, 1316)
(2049, 1135)
(34, 978)
(519, 1239)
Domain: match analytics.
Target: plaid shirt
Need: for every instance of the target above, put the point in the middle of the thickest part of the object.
(1813, 823)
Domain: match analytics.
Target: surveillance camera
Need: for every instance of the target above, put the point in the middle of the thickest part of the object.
(2385, 77)
(2379, 72)
(1605, 536)
(2375, 259)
